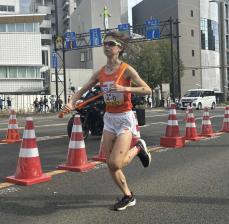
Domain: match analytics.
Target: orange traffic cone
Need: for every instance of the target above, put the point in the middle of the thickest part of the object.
(186, 113)
(225, 127)
(12, 134)
(190, 130)
(172, 136)
(101, 156)
(77, 157)
(28, 170)
(206, 129)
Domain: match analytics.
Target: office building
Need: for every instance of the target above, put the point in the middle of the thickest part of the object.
(20, 63)
(88, 15)
(9, 7)
(203, 45)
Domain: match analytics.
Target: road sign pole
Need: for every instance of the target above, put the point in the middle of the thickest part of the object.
(56, 72)
(56, 35)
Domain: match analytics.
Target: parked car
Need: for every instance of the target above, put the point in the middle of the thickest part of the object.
(198, 98)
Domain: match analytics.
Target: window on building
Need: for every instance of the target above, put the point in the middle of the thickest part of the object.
(36, 28)
(226, 11)
(89, 54)
(10, 27)
(31, 72)
(21, 72)
(3, 8)
(3, 72)
(227, 58)
(228, 76)
(28, 27)
(82, 56)
(193, 53)
(192, 14)
(45, 58)
(20, 27)
(209, 35)
(227, 42)
(2, 27)
(226, 24)
(38, 73)
(193, 73)
(11, 8)
(192, 33)
(12, 72)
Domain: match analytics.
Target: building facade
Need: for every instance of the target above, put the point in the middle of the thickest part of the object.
(20, 43)
(9, 7)
(88, 15)
(201, 44)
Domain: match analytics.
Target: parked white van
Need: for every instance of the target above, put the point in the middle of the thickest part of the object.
(198, 98)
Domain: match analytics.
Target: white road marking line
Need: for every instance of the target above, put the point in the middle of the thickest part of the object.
(160, 115)
(147, 125)
(40, 126)
(8, 190)
(44, 138)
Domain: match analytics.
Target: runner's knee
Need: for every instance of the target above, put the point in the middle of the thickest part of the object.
(114, 164)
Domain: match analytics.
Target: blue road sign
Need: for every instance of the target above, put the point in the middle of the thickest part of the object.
(153, 34)
(95, 37)
(152, 22)
(125, 28)
(54, 59)
(152, 29)
(70, 40)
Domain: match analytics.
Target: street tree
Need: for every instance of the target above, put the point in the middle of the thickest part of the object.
(152, 60)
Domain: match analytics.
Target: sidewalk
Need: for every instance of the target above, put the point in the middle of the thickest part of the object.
(6, 114)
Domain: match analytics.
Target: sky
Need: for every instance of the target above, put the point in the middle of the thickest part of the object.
(132, 3)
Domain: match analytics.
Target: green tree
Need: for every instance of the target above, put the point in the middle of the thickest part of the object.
(152, 60)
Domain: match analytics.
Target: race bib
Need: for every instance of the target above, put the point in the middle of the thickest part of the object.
(111, 98)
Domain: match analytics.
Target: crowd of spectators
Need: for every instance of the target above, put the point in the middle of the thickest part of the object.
(42, 105)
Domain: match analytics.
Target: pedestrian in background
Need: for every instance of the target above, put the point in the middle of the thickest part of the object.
(52, 103)
(46, 106)
(1, 103)
(119, 120)
(150, 102)
(36, 105)
(60, 103)
(41, 105)
(9, 103)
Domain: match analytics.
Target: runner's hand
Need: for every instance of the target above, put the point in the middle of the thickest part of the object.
(118, 88)
(71, 106)
(68, 107)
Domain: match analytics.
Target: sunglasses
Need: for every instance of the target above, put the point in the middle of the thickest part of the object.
(111, 43)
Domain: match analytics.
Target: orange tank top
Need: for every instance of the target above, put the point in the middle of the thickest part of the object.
(116, 102)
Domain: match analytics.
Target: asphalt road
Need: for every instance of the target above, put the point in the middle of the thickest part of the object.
(187, 185)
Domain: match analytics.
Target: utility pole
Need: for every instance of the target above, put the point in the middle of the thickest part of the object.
(178, 58)
(172, 68)
(55, 49)
(64, 73)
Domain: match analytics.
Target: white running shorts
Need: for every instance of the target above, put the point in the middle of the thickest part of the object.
(118, 123)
